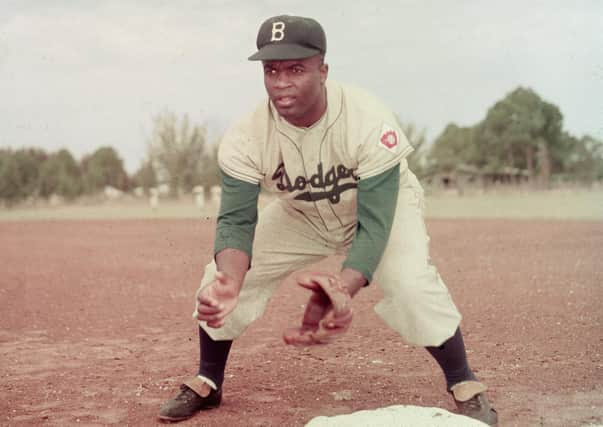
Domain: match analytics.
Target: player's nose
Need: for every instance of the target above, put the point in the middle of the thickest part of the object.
(281, 80)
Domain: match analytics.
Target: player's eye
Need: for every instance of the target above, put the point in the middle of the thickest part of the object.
(297, 69)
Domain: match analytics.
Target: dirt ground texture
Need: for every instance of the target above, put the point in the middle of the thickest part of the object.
(96, 329)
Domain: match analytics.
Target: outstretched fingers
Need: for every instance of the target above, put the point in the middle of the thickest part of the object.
(314, 282)
(211, 315)
(217, 300)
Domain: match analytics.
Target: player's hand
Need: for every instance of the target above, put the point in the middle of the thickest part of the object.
(217, 300)
(328, 312)
(317, 307)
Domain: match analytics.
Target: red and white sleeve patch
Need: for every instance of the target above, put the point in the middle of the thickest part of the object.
(389, 139)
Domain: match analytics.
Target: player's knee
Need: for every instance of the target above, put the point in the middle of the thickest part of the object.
(411, 283)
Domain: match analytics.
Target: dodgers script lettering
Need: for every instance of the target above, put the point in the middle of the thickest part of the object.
(330, 182)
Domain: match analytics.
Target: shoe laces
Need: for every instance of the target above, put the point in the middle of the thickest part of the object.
(186, 395)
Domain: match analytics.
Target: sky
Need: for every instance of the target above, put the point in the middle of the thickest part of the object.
(85, 74)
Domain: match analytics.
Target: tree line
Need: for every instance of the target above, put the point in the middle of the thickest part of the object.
(177, 155)
(522, 138)
(521, 135)
(32, 173)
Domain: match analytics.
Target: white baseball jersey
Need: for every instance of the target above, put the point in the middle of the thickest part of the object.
(316, 169)
(315, 172)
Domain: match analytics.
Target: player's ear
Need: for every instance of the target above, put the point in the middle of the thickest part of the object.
(324, 72)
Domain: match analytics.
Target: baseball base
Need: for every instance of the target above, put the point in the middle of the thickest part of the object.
(397, 416)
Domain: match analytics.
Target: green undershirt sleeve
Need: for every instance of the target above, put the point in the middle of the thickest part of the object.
(238, 215)
(376, 206)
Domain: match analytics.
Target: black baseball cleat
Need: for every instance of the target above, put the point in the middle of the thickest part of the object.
(195, 395)
(471, 401)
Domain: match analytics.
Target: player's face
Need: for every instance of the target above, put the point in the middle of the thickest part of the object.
(296, 88)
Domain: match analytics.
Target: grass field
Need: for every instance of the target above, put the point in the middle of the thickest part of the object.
(557, 204)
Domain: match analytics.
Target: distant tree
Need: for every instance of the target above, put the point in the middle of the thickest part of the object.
(210, 171)
(583, 161)
(30, 161)
(25, 183)
(177, 149)
(102, 168)
(145, 176)
(520, 131)
(19, 173)
(452, 149)
(60, 174)
(10, 192)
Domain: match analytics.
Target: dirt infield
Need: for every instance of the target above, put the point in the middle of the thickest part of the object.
(96, 328)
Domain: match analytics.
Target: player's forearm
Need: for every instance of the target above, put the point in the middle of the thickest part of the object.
(238, 215)
(234, 263)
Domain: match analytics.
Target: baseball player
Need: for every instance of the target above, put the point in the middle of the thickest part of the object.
(335, 159)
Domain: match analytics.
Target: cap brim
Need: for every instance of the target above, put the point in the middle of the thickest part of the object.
(283, 51)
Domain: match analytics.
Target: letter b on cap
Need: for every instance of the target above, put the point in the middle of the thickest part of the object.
(278, 31)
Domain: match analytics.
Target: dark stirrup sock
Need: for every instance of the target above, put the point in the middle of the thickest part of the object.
(452, 359)
(212, 357)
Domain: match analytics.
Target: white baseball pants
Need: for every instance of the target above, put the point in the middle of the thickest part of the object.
(416, 302)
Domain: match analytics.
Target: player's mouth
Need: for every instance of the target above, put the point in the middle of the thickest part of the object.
(284, 101)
